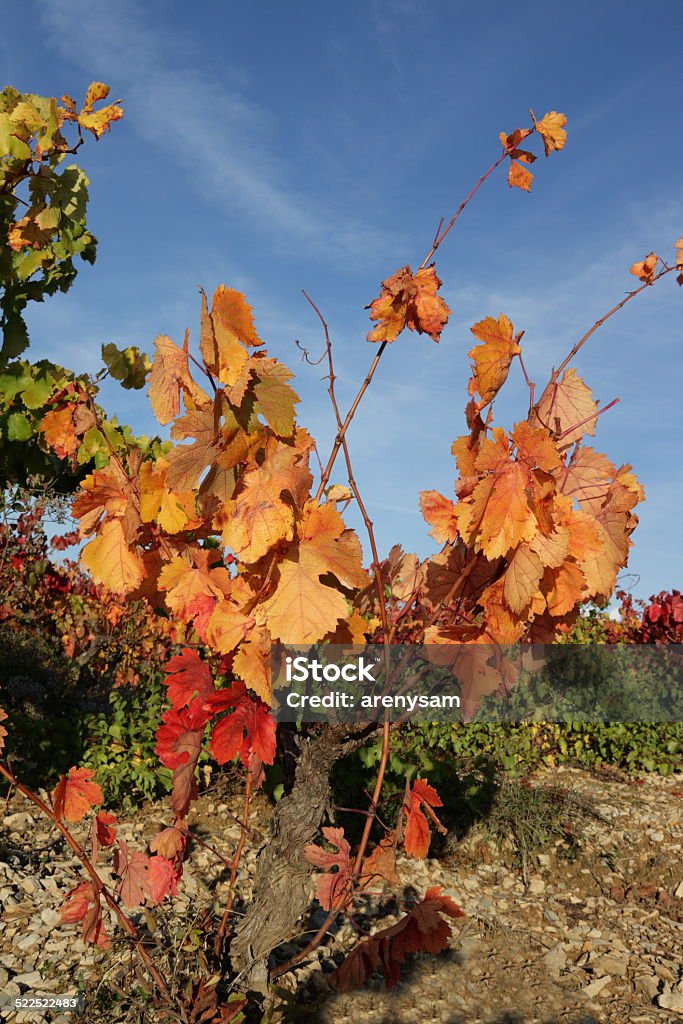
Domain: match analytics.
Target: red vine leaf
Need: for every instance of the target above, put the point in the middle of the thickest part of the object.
(330, 886)
(249, 726)
(132, 869)
(179, 741)
(189, 680)
(83, 904)
(162, 879)
(104, 834)
(422, 930)
(417, 834)
(381, 865)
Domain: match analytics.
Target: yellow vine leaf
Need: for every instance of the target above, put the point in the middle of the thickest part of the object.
(186, 462)
(522, 578)
(186, 577)
(565, 587)
(172, 510)
(492, 358)
(96, 121)
(325, 540)
(228, 627)
(587, 478)
(465, 454)
(64, 428)
(225, 333)
(407, 577)
(551, 130)
(169, 378)
(302, 609)
(535, 446)
(566, 404)
(585, 541)
(552, 550)
(252, 663)
(501, 625)
(678, 247)
(353, 630)
(103, 490)
(275, 400)
(111, 561)
(258, 518)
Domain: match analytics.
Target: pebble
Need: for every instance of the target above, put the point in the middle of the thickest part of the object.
(612, 965)
(555, 960)
(30, 884)
(28, 943)
(50, 918)
(670, 1001)
(596, 987)
(32, 980)
(19, 821)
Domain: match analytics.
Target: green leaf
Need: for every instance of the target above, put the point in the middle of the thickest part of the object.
(15, 378)
(36, 394)
(274, 398)
(28, 263)
(130, 366)
(15, 337)
(18, 427)
(10, 145)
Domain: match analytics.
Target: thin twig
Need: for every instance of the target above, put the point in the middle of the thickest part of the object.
(438, 239)
(529, 383)
(598, 323)
(588, 419)
(234, 865)
(470, 195)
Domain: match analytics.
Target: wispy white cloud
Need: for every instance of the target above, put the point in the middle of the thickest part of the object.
(227, 143)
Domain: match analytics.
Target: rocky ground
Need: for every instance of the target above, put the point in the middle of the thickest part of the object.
(588, 930)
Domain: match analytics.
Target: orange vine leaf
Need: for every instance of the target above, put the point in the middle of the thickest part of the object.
(75, 794)
(645, 271)
(409, 300)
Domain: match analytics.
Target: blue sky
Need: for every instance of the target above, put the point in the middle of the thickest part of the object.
(280, 146)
